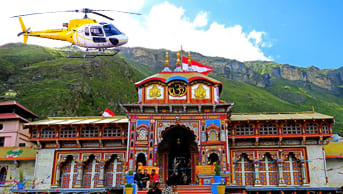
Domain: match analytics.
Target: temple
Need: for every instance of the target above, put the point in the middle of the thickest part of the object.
(181, 127)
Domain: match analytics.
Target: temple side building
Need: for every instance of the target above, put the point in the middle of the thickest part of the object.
(17, 159)
(180, 126)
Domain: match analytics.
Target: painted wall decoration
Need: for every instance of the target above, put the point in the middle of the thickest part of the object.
(200, 91)
(177, 90)
(154, 92)
(192, 125)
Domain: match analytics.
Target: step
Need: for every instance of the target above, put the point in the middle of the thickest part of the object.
(188, 189)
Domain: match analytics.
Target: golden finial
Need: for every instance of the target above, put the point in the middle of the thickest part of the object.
(178, 63)
(167, 60)
(189, 59)
(166, 67)
(189, 62)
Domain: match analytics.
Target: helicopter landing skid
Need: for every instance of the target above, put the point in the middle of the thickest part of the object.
(91, 53)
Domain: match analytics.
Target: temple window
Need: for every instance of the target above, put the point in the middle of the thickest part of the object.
(229, 130)
(68, 173)
(142, 134)
(111, 168)
(48, 133)
(2, 141)
(325, 128)
(213, 157)
(213, 135)
(292, 171)
(34, 133)
(68, 132)
(268, 171)
(112, 131)
(291, 128)
(311, 128)
(90, 173)
(268, 129)
(244, 171)
(3, 174)
(89, 131)
(244, 129)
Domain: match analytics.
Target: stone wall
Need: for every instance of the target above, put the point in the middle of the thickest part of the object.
(335, 171)
(44, 166)
(316, 166)
(27, 167)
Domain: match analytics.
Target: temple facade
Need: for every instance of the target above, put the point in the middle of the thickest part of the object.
(181, 127)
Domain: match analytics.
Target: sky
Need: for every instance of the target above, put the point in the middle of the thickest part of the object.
(302, 33)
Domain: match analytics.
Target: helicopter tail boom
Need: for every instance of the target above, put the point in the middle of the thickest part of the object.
(24, 30)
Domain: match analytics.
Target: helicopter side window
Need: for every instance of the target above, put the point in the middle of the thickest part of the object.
(86, 31)
(96, 31)
(110, 30)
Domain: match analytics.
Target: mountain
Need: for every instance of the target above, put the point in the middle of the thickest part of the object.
(50, 84)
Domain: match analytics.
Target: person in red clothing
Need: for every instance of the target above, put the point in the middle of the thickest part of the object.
(154, 177)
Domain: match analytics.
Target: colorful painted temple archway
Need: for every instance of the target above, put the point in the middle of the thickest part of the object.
(177, 155)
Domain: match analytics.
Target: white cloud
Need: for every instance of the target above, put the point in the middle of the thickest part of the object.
(200, 20)
(165, 26)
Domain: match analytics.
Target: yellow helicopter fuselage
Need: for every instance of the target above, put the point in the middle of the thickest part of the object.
(87, 33)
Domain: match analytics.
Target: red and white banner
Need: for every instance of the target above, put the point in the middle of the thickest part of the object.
(203, 69)
(108, 113)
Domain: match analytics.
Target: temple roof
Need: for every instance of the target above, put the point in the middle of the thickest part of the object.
(12, 116)
(14, 106)
(188, 77)
(278, 116)
(79, 120)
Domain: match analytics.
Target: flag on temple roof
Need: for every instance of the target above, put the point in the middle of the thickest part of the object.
(196, 66)
(108, 113)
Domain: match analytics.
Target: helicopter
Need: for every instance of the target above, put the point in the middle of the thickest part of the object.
(86, 33)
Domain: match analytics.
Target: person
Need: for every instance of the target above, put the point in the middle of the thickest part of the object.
(153, 177)
(155, 189)
(184, 179)
(138, 179)
(172, 178)
(168, 189)
(145, 179)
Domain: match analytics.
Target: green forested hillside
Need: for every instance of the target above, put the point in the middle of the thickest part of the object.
(51, 85)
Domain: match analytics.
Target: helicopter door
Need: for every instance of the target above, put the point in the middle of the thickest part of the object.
(97, 34)
(86, 39)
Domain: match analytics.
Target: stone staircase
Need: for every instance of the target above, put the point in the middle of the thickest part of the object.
(187, 189)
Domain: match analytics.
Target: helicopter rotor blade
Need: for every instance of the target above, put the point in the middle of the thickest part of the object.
(102, 15)
(43, 13)
(20, 33)
(84, 10)
(119, 11)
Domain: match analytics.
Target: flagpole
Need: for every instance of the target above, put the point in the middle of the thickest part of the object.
(182, 51)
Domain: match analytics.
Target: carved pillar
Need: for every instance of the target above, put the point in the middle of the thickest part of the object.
(303, 172)
(280, 169)
(233, 173)
(57, 182)
(257, 173)
(79, 166)
(101, 181)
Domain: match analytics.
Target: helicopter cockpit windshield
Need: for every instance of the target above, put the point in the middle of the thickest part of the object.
(110, 30)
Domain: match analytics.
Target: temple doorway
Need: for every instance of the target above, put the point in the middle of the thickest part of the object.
(178, 155)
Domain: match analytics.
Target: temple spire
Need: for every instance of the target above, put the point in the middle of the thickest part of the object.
(178, 62)
(166, 66)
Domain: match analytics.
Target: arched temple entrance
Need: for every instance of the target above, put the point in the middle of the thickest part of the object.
(178, 155)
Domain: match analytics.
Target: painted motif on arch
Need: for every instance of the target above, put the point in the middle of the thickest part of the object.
(154, 92)
(200, 91)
